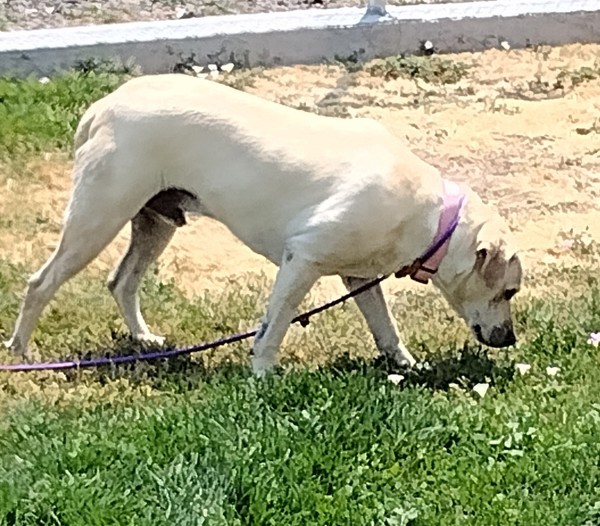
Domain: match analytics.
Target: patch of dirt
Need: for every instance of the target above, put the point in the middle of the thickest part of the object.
(530, 145)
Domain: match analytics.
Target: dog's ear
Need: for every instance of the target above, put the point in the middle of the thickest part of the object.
(481, 256)
(490, 262)
(514, 269)
(484, 251)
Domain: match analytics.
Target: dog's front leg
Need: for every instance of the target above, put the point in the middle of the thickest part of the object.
(374, 308)
(295, 278)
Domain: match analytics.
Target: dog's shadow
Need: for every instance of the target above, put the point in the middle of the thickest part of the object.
(176, 373)
(441, 370)
(464, 367)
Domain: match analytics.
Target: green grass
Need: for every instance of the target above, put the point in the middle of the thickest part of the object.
(328, 440)
(36, 117)
(193, 442)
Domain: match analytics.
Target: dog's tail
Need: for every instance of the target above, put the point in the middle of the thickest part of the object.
(82, 133)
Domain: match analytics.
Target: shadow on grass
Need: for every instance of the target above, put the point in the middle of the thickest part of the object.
(178, 373)
(464, 366)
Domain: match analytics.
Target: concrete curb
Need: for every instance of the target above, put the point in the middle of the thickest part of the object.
(303, 37)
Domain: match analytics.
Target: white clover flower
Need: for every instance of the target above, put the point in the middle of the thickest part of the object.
(594, 339)
(481, 389)
(395, 378)
(522, 368)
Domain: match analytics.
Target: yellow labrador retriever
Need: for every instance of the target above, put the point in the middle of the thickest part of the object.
(315, 195)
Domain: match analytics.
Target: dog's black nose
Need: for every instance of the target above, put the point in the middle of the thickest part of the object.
(502, 336)
(511, 338)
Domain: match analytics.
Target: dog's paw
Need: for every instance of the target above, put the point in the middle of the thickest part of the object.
(261, 367)
(150, 339)
(15, 346)
(400, 360)
(405, 360)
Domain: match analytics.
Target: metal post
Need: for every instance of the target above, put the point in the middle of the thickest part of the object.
(376, 7)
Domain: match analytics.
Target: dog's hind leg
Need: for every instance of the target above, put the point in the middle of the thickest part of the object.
(86, 231)
(374, 308)
(150, 235)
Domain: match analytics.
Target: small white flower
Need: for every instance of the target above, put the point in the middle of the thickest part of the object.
(197, 69)
(505, 45)
(44, 80)
(552, 371)
(395, 378)
(212, 67)
(481, 389)
(594, 339)
(428, 45)
(227, 68)
(522, 368)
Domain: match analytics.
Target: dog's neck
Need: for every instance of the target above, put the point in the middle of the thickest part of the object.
(461, 254)
(451, 209)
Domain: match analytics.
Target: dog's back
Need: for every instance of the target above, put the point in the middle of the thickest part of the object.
(236, 152)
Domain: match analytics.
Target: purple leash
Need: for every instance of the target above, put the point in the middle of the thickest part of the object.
(302, 319)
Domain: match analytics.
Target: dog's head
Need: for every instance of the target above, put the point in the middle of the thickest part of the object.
(482, 293)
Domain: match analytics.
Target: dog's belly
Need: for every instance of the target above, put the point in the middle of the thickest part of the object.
(266, 242)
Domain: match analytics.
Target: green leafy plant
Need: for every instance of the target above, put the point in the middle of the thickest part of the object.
(42, 115)
(432, 69)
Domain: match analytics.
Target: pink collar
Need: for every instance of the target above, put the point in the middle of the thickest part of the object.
(430, 261)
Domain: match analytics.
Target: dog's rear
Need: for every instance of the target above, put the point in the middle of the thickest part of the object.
(101, 204)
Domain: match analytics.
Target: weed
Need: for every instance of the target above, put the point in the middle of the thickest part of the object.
(495, 105)
(580, 75)
(352, 62)
(594, 128)
(106, 66)
(241, 79)
(432, 69)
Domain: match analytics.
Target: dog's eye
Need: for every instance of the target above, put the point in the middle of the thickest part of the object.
(508, 295)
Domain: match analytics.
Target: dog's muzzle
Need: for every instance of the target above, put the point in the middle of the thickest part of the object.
(501, 335)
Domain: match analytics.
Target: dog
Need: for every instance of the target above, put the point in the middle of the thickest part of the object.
(315, 195)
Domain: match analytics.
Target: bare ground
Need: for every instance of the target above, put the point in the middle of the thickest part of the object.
(520, 134)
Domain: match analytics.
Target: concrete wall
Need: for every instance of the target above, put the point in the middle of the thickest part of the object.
(303, 37)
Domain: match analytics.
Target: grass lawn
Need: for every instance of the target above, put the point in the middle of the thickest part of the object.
(328, 440)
